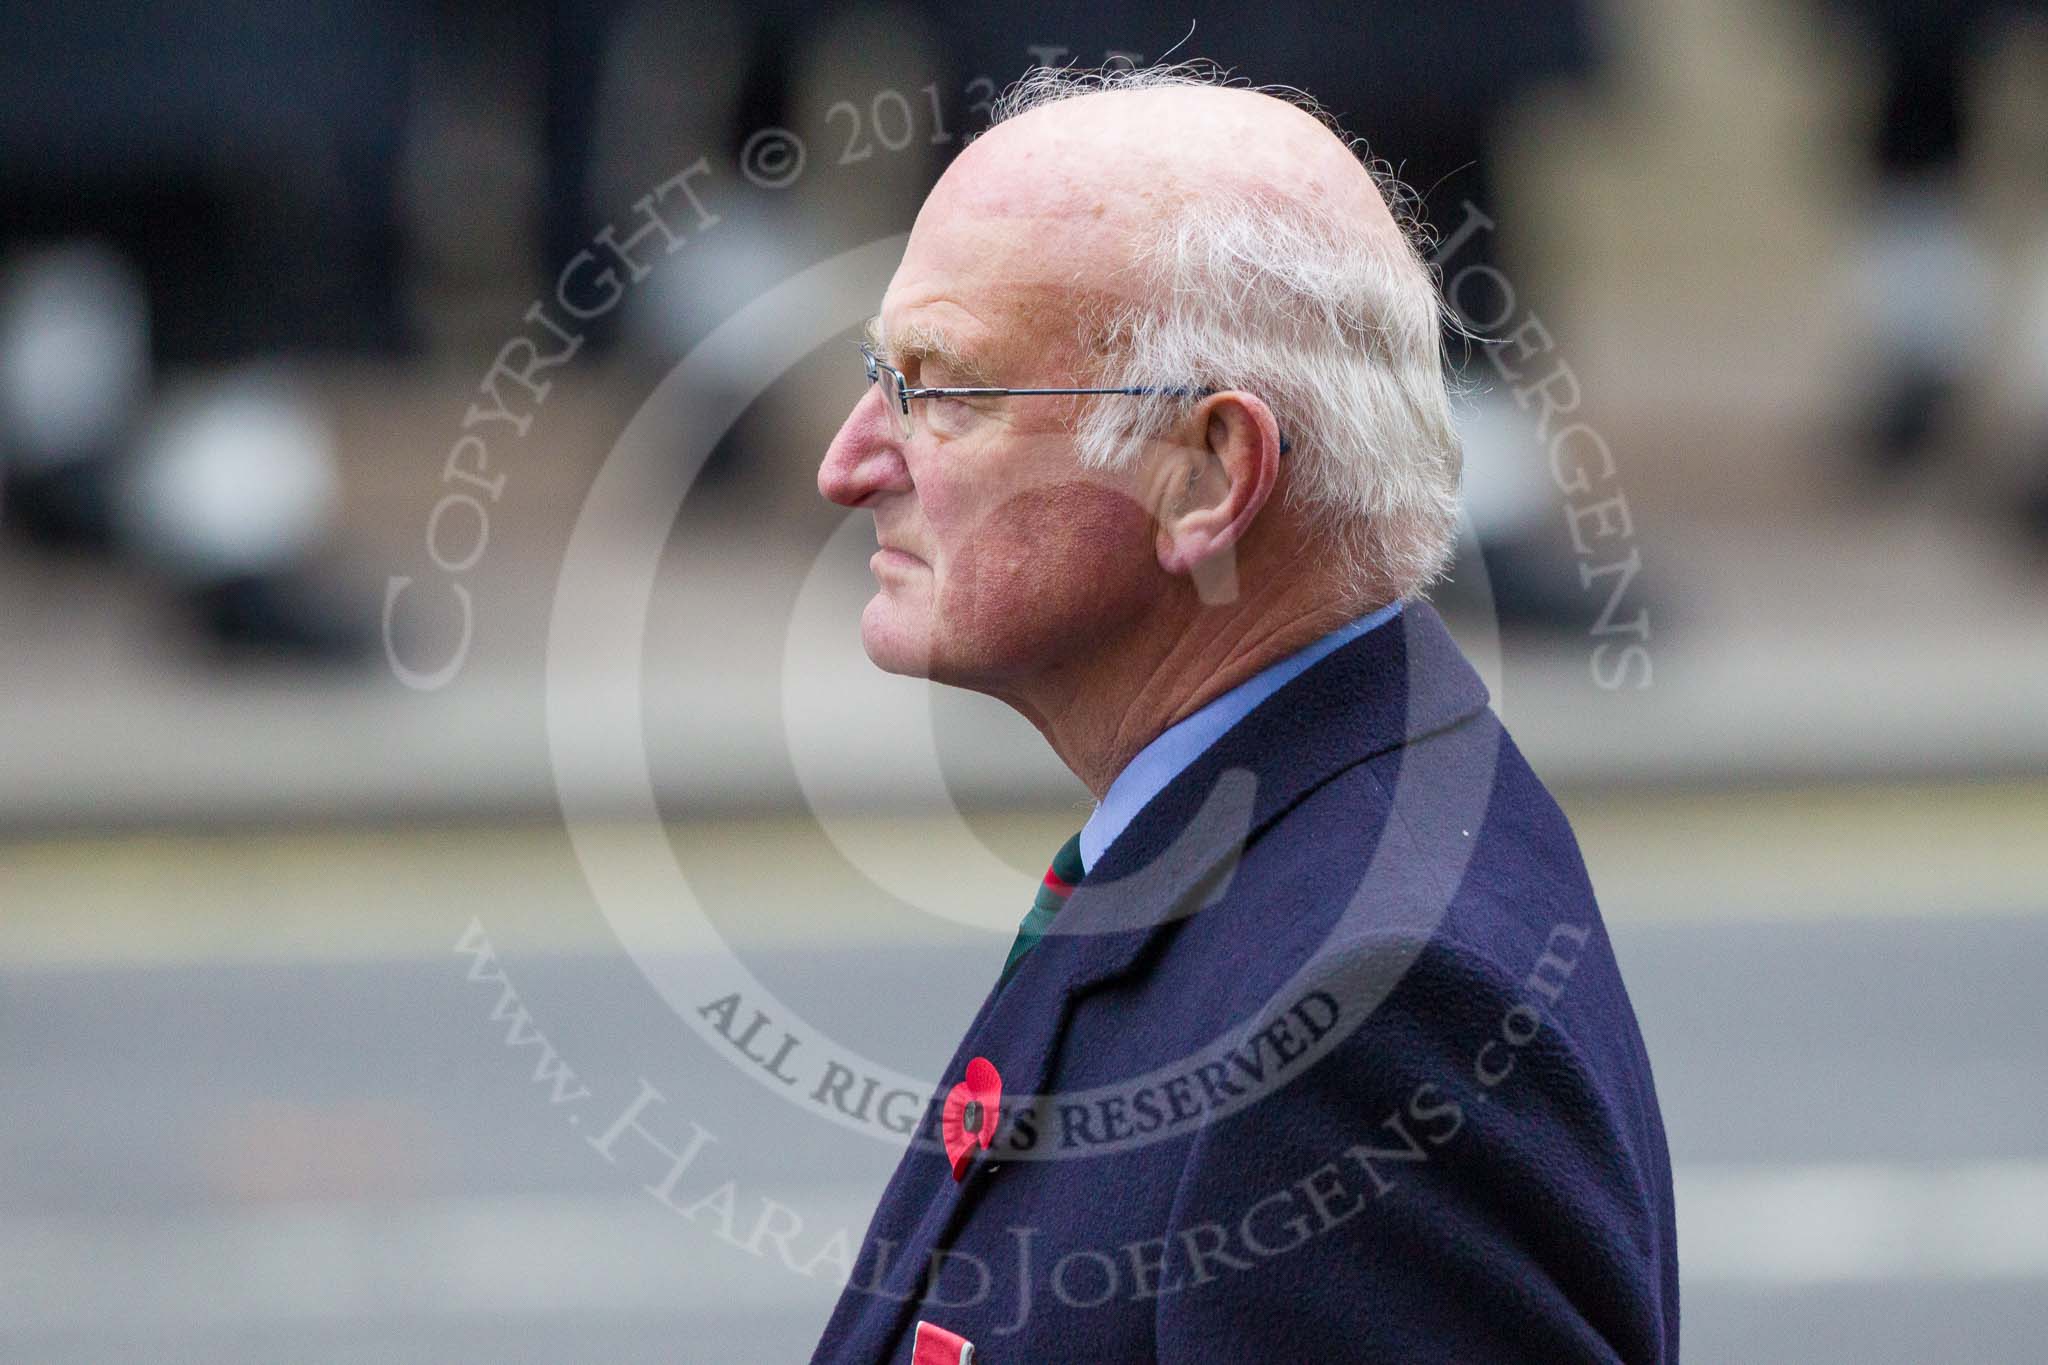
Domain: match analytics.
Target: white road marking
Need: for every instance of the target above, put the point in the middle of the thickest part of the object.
(515, 1255)
(1860, 1222)
(1740, 1227)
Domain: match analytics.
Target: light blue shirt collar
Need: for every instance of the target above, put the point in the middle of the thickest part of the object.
(1159, 762)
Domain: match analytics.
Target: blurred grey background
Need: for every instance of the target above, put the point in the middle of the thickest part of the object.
(314, 841)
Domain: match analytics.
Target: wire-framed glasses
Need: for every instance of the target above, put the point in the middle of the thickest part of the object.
(897, 392)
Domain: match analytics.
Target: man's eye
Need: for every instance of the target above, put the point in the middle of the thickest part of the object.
(947, 414)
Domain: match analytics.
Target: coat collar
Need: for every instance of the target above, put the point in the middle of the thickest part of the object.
(1385, 689)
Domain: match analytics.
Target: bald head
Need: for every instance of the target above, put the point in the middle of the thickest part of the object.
(1091, 174)
(1134, 153)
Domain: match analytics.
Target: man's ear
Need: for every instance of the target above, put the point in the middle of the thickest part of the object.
(1211, 486)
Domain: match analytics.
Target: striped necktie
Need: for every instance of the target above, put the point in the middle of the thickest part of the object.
(1060, 880)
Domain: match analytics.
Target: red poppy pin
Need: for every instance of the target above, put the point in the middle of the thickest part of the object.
(972, 1110)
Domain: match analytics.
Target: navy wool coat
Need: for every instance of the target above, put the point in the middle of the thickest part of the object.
(1327, 1058)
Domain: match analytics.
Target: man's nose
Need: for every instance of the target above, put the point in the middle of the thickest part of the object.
(864, 458)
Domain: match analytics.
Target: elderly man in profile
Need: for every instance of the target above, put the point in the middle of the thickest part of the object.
(1312, 1046)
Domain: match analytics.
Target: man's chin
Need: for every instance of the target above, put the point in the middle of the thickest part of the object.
(894, 644)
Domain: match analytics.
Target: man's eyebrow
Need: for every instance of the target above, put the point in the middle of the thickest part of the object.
(928, 345)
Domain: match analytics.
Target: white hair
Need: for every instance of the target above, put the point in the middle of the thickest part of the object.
(1334, 323)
